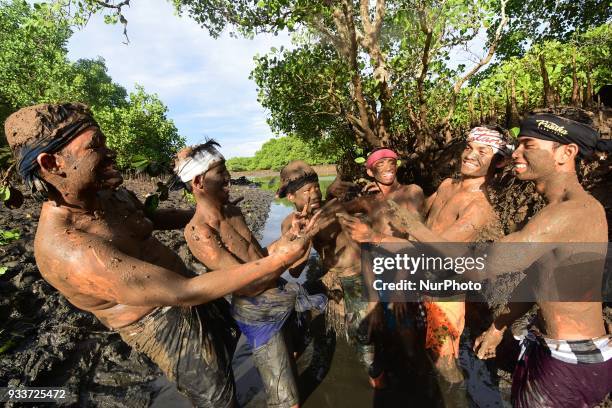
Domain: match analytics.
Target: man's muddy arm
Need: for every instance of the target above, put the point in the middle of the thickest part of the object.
(107, 273)
(465, 229)
(171, 219)
(501, 259)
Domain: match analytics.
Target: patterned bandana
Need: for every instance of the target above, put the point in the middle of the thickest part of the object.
(491, 137)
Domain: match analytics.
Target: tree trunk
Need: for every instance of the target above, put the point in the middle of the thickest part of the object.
(588, 97)
(471, 109)
(549, 98)
(515, 118)
(481, 109)
(575, 85)
(492, 110)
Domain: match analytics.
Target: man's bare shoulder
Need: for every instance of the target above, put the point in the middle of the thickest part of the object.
(412, 189)
(445, 185)
(198, 229)
(573, 220)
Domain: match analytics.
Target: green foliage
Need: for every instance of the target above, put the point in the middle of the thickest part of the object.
(305, 90)
(537, 21)
(34, 68)
(8, 236)
(140, 131)
(5, 193)
(592, 52)
(276, 153)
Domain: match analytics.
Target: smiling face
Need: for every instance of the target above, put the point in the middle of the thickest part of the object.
(476, 159)
(534, 158)
(308, 193)
(86, 163)
(215, 183)
(384, 171)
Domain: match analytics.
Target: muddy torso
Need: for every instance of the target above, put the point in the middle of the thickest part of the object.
(451, 203)
(448, 205)
(227, 232)
(554, 281)
(120, 221)
(337, 251)
(377, 208)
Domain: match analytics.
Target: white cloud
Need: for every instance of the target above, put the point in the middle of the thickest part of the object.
(204, 81)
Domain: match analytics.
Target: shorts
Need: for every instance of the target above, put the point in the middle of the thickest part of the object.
(193, 346)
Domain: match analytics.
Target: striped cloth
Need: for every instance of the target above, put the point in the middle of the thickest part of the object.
(587, 351)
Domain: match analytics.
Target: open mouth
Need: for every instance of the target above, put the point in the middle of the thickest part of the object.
(387, 175)
(520, 167)
(470, 165)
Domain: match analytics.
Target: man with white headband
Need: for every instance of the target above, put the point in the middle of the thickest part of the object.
(220, 238)
(459, 211)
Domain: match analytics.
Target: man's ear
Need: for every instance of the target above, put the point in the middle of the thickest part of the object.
(291, 197)
(49, 163)
(197, 183)
(567, 152)
(369, 172)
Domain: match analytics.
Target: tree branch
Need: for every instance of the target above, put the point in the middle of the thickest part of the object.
(483, 61)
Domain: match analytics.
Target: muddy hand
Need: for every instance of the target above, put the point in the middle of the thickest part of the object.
(299, 220)
(486, 344)
(318, 222)
(402, 219)
(370, 188)
(357, 230)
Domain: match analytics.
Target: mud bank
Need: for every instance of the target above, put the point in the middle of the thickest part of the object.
(45, 341)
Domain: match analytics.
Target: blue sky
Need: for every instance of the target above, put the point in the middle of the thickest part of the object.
(203, 81)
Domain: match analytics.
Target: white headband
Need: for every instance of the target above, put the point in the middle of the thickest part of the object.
(199, 163)
(491, 138)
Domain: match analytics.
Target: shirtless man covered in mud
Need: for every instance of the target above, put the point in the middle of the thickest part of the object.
(346, 312)
(220, 238)
(381, 165)
(570, 361)
(94, 245)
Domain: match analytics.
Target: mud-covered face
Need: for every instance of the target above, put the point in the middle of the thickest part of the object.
(216, 183)
(308, 193)
(88, 163)
(476, 159)
(384, 171)
(534, 158)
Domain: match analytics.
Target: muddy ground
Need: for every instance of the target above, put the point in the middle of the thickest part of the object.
(45, 341)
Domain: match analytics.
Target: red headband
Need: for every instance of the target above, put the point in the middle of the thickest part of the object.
(380, 154)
